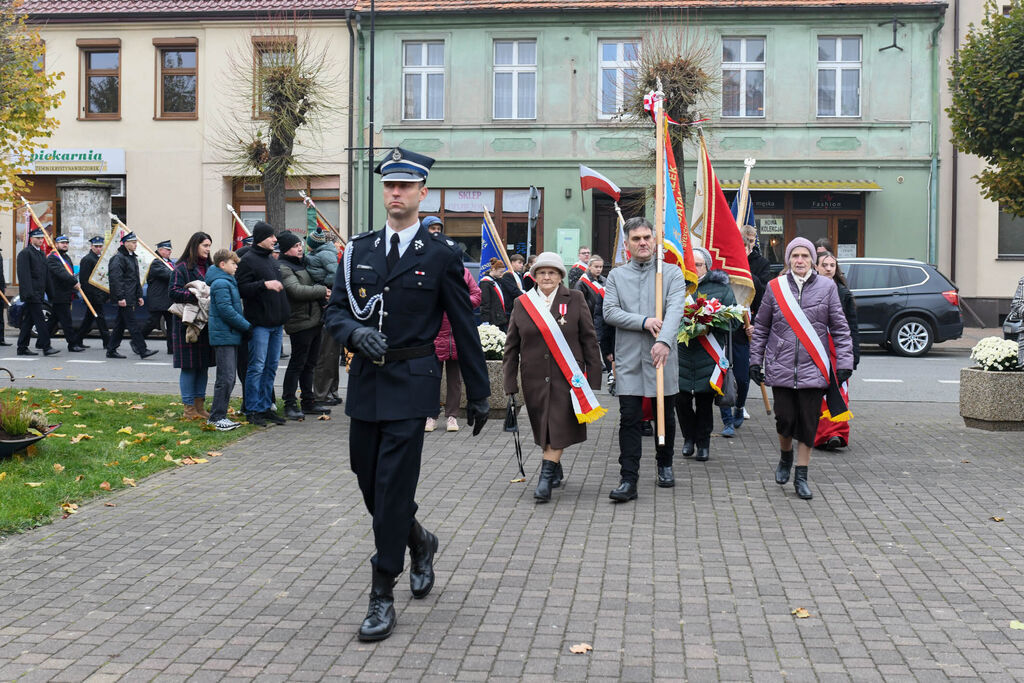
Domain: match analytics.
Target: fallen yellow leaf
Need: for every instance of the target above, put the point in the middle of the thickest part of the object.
(105, 486)
(144, 458)
(214, 454)
(30, 377)
(81, 426)
(122, 444)
(109, 402)
(58, 468)
(581, 648)
(80, 477)
(76, 413)
(997, 519)
(184, 442)
(200, 460)
(168, 458)
(80, 437)
(33, 484)
(324, 417)
(124, 430)
(800, 613)
(1017, 625)
(53, 411)
(112, 464)
(517, 480)
(167, 429)
(110, 505)
(60, 368)
(3, 475)
(185, 433)
(69, 508)
(138, 406)
(100, 389)
(128, 481)
(59, 436)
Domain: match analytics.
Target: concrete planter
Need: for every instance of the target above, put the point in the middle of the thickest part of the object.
(498, 400)
(992, 400)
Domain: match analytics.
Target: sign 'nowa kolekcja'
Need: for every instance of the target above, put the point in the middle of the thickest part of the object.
(61, 161)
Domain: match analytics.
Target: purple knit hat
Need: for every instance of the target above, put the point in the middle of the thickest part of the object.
(799, 242)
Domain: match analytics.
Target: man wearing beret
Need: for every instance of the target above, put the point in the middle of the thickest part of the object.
(61, 286)
(386, 305)
(32, 278)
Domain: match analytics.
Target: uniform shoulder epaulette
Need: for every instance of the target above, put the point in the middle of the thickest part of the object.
(451, 244)
(362, 235)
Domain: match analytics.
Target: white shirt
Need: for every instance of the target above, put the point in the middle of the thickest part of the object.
(405, 236)
(801, 281)
(547, 299)
(519, 280)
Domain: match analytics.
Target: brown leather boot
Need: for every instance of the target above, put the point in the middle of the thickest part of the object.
(197, 404)
(190, 413)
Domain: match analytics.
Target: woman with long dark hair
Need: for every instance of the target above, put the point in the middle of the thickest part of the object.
(194, 359)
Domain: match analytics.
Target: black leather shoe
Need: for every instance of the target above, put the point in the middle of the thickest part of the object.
(316, 409)
(3, 343)
(76, 349)
(255, 419)
(50, 351)
(666, 479)
(115, 354)
(785, 465)
(703, 453)
(646, 429)
(422, 546)
(556, 481)
(547, 473)
(800, 483)
(26, 352)
(147, 353)
(626, 490)
(688, 448)
(834, 443)
(333, 399)
(272, 416)
(292, 412)
(380, 617)
(83, 346)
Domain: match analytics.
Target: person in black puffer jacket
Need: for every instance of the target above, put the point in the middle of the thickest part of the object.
(266, 306)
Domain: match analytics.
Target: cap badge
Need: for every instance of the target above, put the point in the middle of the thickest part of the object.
(396, 155)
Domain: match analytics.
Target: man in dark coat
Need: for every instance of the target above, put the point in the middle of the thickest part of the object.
(511, 283)
(126, 292)
(266, 306)
(158, 301)
(386, 306)
(96, 296)
(61, 285)
(32, 278)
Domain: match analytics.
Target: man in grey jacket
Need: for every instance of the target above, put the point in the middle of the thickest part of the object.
(643, 343)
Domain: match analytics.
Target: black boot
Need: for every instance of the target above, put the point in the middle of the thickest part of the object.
(422, 546)
(559, 476)
(380, 617)
(800, 483)
(316, 408)
(547, 473)
(292, 412)
(688, 448)
(785, 463)
(703, 453)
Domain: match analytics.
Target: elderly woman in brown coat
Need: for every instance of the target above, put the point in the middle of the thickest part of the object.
(558, 412)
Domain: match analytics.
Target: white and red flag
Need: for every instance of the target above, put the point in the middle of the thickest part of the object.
(592, 180)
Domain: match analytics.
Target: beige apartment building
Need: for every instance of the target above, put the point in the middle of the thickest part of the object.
(156, 93)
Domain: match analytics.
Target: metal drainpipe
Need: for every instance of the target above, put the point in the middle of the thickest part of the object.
(351, 101)
(933, 184)
(357, 208)
(954, 171)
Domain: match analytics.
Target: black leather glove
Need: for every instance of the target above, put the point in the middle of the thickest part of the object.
(757, 375)
(842, 374)
(476, 414)
(369, 343)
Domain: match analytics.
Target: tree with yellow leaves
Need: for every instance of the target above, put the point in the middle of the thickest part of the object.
(28, 95)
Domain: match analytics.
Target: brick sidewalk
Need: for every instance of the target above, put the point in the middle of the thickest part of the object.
(255, 565)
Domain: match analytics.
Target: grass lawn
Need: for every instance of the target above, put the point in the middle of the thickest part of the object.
(107, 441)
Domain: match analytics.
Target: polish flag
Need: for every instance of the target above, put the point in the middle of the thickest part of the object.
(592, 180)
(240, 233)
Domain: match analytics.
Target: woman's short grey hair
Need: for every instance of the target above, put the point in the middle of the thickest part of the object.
(637, 222)
(750, 232)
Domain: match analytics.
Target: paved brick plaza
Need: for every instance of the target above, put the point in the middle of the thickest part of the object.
(255, 565)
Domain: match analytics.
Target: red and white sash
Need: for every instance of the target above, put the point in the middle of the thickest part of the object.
(497, 288)
(579, 264)
(594, 286)
(797, 320)
(717, 354)
(584, 403)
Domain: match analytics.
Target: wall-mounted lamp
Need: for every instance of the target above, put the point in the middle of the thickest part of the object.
(568, 193)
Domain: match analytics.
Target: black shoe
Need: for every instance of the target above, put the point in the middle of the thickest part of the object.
(285, 355)
(785, 464)
(26, 352)
(272, 416)
(380, 617)
(292, 412)
(115, 354)
(146, 353)
(834, 443)
(255, 419)
(625, 491)
(646, 429)
(703, 453)
(333, 399)
(422, 546)
(666, 479)
(316, 409)
(83, 346)
(3, 343)
(556, 481)
(50, 351)
(800, 483)
(76, 349)
(547, 473)
(688, 448)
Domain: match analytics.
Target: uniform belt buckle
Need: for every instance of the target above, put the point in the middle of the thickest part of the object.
(379, 361)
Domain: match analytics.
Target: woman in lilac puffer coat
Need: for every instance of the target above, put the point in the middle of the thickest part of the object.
(797, 384)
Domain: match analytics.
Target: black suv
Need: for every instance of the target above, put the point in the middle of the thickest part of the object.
(902, 304)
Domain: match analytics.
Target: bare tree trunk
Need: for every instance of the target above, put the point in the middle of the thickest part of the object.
(274, 181)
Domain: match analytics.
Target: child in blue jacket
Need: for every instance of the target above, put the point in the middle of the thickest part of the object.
(226, 326)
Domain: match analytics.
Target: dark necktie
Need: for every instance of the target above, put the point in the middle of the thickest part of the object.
(393, 252)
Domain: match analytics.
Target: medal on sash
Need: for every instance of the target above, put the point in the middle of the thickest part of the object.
(562, 310)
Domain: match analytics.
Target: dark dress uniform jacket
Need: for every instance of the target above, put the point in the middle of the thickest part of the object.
(159, 281)
(60, 285)
(545, 389)
(124, 277)
(426, 282)
(32, 275)
(85, 268)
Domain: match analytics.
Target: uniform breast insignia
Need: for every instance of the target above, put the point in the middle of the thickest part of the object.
(376, 243)
(362, 292)
(418, 244)
(363, 266)
(450, 243)
(562, 310)
(419, 272)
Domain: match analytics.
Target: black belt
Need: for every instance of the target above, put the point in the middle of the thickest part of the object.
(408, 352)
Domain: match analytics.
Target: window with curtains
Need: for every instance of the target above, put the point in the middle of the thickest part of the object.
(743, 76)
(423, 80)
(515, 79)
(839, 66)
(618, 64)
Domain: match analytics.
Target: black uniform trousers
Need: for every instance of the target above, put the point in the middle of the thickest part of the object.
(154, 322)
(386, 459)
(99, 320)
(126, 321)
(62, 313)
(631, 414)
(32, 314)
(696, 417)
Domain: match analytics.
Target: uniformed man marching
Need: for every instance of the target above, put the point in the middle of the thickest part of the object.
(61, 286)
(97, 297)
(386, 306)
(32, 278)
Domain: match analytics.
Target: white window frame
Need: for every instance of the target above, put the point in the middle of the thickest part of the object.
(620, 64)
(423, 71)
(744, 66)
(515, 69)
(837, 67)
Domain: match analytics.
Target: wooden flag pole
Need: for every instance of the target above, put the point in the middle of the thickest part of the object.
(497, 239)
(744, 203)
(124, 227)
(53, 247)
(659, 231)
(309, 202)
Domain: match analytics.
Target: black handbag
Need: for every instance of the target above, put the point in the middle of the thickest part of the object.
(729, 393)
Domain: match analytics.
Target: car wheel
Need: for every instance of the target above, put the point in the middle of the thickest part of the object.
(912, 337)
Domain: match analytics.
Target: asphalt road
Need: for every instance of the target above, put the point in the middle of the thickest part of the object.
(881, 376)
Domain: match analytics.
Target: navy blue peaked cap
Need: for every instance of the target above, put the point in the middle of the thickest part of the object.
(401, 165)
(96, 240)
